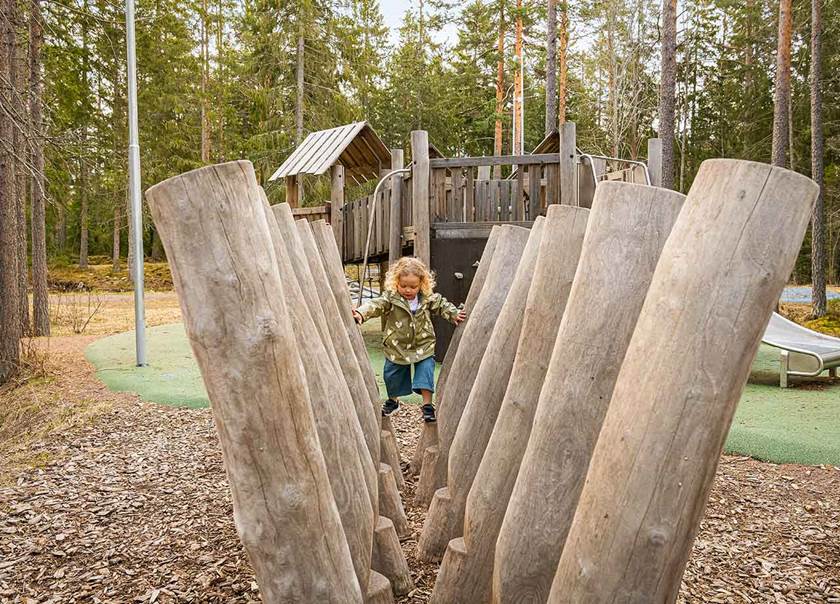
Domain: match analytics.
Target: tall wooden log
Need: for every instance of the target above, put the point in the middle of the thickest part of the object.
(353, 476)
(445, 519)
(428, 438)
(628, 226)
(420, 210)
(568, 164)
(719, 277)
(327, 314)
(337, 205)
(334, 268)
(467, 569)
(379, 590)
(474, 341)
(224, 269)
(390, 455)
(654, 162)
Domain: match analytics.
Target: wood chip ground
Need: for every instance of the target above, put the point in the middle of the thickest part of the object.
(133, 506)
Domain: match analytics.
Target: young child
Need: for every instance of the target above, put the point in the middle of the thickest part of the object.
(409, 337)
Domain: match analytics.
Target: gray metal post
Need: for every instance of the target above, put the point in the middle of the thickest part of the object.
(134, 187)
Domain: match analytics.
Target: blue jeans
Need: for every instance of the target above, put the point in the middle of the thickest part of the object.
(398, 380)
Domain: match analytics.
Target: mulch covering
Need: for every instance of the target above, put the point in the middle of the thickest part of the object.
(135, 507)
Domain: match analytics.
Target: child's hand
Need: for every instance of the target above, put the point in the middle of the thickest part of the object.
(358, 317)
(462, 314)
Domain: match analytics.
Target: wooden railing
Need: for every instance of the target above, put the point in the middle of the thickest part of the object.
(313, 213)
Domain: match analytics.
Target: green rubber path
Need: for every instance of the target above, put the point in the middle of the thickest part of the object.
(795, 425)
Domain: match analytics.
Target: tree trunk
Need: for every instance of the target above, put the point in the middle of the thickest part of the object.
(9, 285)
(667, 90)
(21, 142)
(299, 75)
(500, 89)
(516, 147)
(83, 184)
(244, 343)
(205, 77)
(563, 60)
(551, 68)
(40, 295)
(781, 96)
(817, 171)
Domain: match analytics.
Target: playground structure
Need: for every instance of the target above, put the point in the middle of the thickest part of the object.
(619, 428)
(461, 199)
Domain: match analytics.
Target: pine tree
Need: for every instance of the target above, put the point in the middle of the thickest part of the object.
(817, 169)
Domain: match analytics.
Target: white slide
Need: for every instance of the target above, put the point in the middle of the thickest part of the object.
(804, 352)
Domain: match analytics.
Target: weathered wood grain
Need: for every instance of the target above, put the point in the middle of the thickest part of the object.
(388, 557)
(446, 513)
(390, 503)
(467, 569)
(720, 275)
(217, 241)
(627, 228)
(352, 474)
(421, 211)
(327, 314)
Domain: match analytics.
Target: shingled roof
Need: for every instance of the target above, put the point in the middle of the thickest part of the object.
(355, 146)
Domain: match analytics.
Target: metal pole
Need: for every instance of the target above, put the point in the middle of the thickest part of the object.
(134, 187)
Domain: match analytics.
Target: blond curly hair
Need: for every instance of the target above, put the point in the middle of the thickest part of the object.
(410, 266)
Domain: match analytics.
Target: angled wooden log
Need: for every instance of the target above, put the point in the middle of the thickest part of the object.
(428, 479)
(467, 569)
(353, 476)
(627, 227)
(511, 241)
(390, 503)
(333, 266)
(445, 519)
(315, 282)
(718, 280)
(216, 237)
(389, 559)
(379, 590)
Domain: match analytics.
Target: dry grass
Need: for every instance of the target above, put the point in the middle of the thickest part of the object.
(102, 277)
(49, 395)
(95, 313)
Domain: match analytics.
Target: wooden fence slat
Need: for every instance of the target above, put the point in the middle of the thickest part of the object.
(552, 185)
(469, 195)
(506, 190)
(534, 190)
(518, 210)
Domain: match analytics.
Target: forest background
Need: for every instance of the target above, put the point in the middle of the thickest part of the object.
(221, 80)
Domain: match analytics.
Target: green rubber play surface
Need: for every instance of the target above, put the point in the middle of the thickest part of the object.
(794, 425)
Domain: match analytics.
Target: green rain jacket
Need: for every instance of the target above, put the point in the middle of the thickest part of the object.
(408, 338)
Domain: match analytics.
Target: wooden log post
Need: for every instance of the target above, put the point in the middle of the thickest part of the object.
(317, 289)
(386, 542)
(718, 280)
(420, 209)
(445, 519)
(391, 455)
(390, 503)
(568, 164)
(395, 221)
(292, 191)
(332, 265)
(337, 204)
(353, 476)
(654, 162)
(476, 336)
(388, 557)
(224, 269)
(628, 226)
(428, 438)
(379, 590)
(467, 569)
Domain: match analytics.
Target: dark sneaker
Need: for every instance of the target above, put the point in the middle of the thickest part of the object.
(389, 406)
(429, 413)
